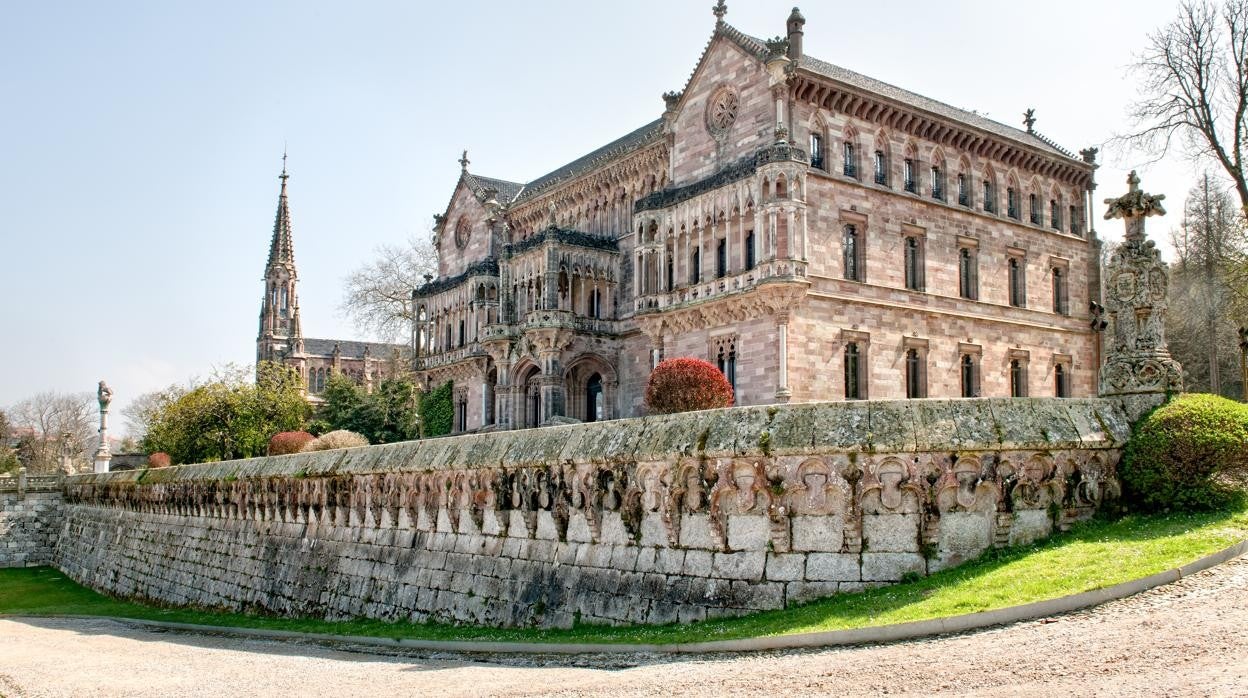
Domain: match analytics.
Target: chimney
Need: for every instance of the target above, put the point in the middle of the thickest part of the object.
(796, 22)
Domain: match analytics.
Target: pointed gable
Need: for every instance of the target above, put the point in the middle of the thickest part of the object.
(725, 111)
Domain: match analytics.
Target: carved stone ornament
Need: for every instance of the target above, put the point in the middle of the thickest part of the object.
(721, 111)
(1137, 358)
(463, 231)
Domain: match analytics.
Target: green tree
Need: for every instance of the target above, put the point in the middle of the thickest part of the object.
(386, 415)
(437, 410)
(228, 417)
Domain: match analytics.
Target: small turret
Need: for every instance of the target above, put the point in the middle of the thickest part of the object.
(796, 22)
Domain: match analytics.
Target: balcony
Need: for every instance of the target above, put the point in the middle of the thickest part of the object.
(447, 358)
(715, 288)
(566, 319)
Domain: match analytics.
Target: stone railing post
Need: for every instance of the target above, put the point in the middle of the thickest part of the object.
(21, 483)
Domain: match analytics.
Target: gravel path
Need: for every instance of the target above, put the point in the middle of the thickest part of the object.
(1188, 638)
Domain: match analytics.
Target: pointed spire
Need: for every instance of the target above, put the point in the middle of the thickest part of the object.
(720, 9)
(464, 161)
(282, 249)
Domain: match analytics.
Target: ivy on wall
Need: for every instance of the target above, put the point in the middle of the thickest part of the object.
(437, 411)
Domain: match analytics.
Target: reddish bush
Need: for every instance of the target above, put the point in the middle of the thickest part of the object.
(685, 384)
(159, 459)
(288, 442)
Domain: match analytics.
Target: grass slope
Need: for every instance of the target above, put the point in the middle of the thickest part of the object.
(1095, 554)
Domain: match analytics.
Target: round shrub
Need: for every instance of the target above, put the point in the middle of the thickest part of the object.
(285, 442)
(1189, 454)
(685, 384)
(159, 459)
(336, 439)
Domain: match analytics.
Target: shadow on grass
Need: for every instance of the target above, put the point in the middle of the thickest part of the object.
(1093, 554)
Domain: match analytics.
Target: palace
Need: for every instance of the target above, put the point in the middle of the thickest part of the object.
(281, 335)
(815, 233)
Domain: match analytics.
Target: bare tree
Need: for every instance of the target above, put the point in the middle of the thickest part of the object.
(378, 296)
(49, 419)
(140, 412)
(1195, 87)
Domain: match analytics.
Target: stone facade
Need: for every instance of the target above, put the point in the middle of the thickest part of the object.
(814, 232)
(650, 520)
(30, 520)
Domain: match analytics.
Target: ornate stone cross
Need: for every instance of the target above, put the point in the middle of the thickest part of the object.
(1137, 359)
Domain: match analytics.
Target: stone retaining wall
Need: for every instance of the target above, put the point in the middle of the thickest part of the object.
(647, 520)
(30, 520)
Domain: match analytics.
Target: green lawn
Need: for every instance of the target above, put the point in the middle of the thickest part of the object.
(1095, 554)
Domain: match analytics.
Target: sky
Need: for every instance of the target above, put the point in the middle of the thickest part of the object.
(140, 142)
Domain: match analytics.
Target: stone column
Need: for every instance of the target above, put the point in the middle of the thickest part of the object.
(103, 455)
(1138, 367)
(502, 395)
(782, 358)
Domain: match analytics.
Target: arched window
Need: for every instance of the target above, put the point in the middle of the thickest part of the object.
(881, 167)
(938, 182)
(913, 263)
(1018, 379)
(462, 332)
(594, 401)
(1061, 381)
(1011, 202)
(854, 383)
(816, 151)
(749, 250)
(909, 175)
(968, 273)
(1018, 293)
(964, 191)
(914, 375)
(695, 266)
(1034, 205)
(851, 244)
(851, 159)
(990, 196)
(1061, 305)
(1055, 214)
(969, 372)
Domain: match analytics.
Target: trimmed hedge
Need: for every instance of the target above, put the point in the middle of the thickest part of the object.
(1189, 454)
(285, 442)
(437, 411)
(686, 384)
(336, 439)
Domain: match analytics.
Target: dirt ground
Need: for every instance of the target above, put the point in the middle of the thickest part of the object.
(1188, 638)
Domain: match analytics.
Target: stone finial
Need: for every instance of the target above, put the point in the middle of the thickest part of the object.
(1089, 155)
(1029, 120)
(105, 396)
(1134, 206)
(464, 162)
(720, 9)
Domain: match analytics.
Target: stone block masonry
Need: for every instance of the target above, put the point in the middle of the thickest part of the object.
(30, 520)
(651, 520)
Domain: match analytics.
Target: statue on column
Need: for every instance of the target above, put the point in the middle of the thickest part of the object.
(1137, 359)
(103, 456)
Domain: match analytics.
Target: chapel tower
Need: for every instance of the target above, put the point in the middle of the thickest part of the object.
(280, 334)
